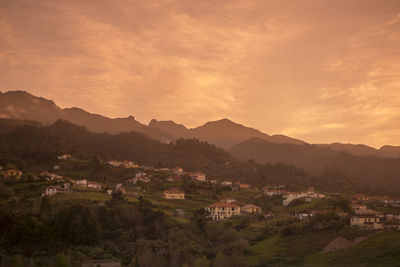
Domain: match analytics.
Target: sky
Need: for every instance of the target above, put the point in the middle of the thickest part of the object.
(321, 71)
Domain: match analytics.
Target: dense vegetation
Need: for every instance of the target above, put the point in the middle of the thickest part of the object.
(377, 175)
(35, 148)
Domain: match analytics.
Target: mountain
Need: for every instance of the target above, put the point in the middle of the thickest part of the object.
(224, 133)
(370, 170)
(24, 106)
(170, 127)
(390, 151)
(363, 150)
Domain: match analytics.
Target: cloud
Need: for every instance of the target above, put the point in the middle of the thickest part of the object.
(323, 72)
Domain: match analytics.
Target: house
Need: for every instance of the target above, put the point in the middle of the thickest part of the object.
(83, 183)
(64, 157)
(177, 170)
(359, 208)
(390, 201)
(109, 192)
(250, 209)
(50, 190)
(228, 200)
(273, 192)
(140, 174)
(12, 174)
(367, 221)
(239, 185)
(290, 196)
(94, 185)
(226, 183)
(392, 225)
(305, 214)
(268, 215)
(220, 211)
(51, 176)
(360, 197)
(56, 168)
(170, 179)
(174, 194)
(199, 176)
(212, 181)
(129, 164)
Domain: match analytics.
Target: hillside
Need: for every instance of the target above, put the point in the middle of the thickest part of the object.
(35, 148)
(373, 171)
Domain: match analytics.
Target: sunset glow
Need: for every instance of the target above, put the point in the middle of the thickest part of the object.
(318, 72)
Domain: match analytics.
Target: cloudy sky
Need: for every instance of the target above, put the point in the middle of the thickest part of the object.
(321, 71)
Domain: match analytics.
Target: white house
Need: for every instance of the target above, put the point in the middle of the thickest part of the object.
(177, 170)
(305, 214)
(94, 185)
(199, 176)
(82, 182)
(226, 183)
(50, 190)
(64, 157)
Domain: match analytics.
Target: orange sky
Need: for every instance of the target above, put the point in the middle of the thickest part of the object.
(321, 71)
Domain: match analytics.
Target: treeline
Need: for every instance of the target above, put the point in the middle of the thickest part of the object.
(35, 148)
(136, 233)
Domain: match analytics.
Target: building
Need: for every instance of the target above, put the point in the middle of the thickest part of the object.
(177, 170)
(174, 194)
(367, 221)
(198, 176)
(359, 208)
(305, 214)
(390, 201)
(250, 209)
(170, 179)
(273, 192)
(239, 185)
(51, 176)
(228, 200)
(109, 192)
(50, 190)
(83, 183)
(12, 174)
(64, 157)
(226, 183)
(94, 185)
(360, 197)
(220, 211)
(268, 215)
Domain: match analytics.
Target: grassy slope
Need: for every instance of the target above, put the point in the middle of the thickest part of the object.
(382, 249)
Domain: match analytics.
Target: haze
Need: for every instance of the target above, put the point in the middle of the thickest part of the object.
(320, 71)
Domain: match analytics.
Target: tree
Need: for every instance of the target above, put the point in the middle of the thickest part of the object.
(60, 260)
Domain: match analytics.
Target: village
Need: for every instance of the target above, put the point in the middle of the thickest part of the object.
(164, 186)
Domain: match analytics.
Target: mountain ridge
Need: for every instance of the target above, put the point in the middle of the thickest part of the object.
(224, 132)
